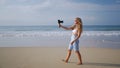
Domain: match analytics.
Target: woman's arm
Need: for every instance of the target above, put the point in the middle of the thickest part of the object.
(66, 28)
(79, 34)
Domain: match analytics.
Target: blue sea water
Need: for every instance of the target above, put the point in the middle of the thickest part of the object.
(55, 28)
(31, 36)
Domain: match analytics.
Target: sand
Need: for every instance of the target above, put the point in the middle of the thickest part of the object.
(50, 57)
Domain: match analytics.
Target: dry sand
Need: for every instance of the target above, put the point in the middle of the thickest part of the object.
(50, 57)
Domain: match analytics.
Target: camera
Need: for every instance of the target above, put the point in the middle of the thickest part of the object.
(60, 21)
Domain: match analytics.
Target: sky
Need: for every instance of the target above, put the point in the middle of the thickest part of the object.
(47, 12)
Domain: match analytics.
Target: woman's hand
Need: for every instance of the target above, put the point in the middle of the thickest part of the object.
(60, 25)
(72, 42)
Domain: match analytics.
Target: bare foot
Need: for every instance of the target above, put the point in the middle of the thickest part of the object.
(79, 63)
(65, 61)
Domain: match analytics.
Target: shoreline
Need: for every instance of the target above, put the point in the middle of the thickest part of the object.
(91, 39)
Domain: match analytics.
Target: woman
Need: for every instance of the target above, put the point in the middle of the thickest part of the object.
(74, 43)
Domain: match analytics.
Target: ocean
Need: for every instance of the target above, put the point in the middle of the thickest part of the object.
(105, 36)
(55, 28)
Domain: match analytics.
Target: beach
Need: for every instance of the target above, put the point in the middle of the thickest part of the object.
(51, 57)
(38, 33)
(46, 47)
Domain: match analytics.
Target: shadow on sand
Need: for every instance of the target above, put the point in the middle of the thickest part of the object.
(102, 64)
(99, 64)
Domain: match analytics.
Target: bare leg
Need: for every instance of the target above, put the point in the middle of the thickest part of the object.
(68, 56)
(79, 57)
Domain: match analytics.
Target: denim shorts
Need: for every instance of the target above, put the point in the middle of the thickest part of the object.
(75, 45)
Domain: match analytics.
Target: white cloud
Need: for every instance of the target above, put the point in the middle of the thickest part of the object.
(89, 6)
(2, 2)
(90, 18)
(12, 12)
(51, 9)
(22, 0)
(118, 1)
